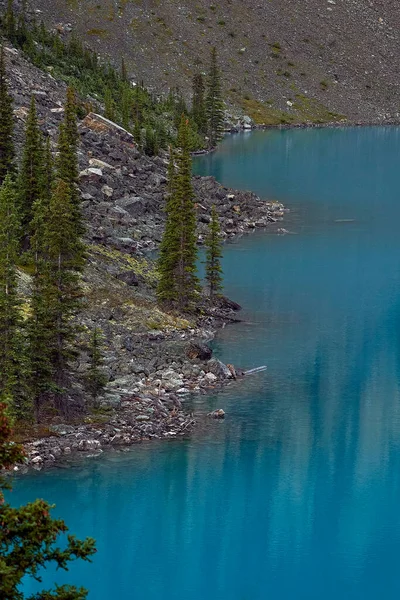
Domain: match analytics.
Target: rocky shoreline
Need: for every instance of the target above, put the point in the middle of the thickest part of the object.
(139, 407)
(153, 359)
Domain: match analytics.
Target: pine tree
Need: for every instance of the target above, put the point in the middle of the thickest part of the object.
(31, 173)
(180, 108)
(214, 102)
(109, 105)
(10, 319)
(41, 334)
(124, 71)
(9, 21)
(12, 351)
(126, 105)
(178, 284)
(198, 104)
(213, 256)
(67, 163)
(41, 323)
(64, 260)
(6, 123)
(28, 535)
(41, 204)
(95, 376)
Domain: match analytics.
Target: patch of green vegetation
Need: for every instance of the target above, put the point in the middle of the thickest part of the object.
(97, 32)
(304, 110)
(144, 267)
(313, 111)
(323, 85)
(265, 115)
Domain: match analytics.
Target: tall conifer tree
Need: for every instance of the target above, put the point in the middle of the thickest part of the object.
(124, 71)
(56, 292)
(64, 255)
(9, 21)
(214, 102)
(32, 171)
(67, 163)
(178, 284)
(213, 256)
(198, 104)
(6, 123)
(12, 365)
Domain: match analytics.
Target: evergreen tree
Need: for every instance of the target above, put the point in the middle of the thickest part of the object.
(64, 255)
(180, 108)
(9, 21)
(42, 201)
(137, 134)
(6, 123)
(32, 171)
(28, 535)
(213, 256)
(96, 377)
(124, 72)
(41, 334)
(214, 102)
(178, 284)
(67, 164)
(109, 105)
(11, 351)
(126, 106)
(198, 104)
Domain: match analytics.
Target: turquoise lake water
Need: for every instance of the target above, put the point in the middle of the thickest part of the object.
(297, 493)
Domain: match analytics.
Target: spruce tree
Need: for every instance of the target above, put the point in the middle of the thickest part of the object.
(41, 336)
(10, 318)
(126, 105)
(214, 102)
(41, 322)
(178, 284)
(198, 104)
(31, 173)
(213, 256)
(9, 21)
(109, 105)
(13, 370)
(67, 163)
(64, 255)
(28, 535)
(6, 123)
(42, 201)
(96, 377)
(124, 71)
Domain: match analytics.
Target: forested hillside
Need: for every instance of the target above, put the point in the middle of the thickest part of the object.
(308, 58)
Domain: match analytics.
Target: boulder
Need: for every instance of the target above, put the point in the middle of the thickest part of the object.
(210, 378)
(99, 164)
(128, 277)
(199, 350)
(219, 369)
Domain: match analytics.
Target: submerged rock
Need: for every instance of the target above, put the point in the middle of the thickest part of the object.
(217, 414)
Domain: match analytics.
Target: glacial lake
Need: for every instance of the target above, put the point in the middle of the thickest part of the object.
(297, 493)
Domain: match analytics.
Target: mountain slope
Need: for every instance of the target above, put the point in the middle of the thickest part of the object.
(344, 54)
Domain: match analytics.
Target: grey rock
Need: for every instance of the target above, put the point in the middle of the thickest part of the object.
(219, 369)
